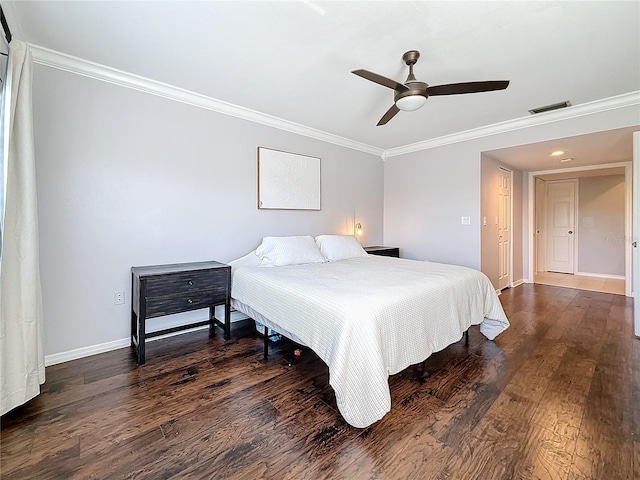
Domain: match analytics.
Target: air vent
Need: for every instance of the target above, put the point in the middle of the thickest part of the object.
(548, 108)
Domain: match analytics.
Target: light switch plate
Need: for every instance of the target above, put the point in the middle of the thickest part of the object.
(466, 220)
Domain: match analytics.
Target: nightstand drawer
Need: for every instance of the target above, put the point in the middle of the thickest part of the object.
(185, 282)
(182, 302)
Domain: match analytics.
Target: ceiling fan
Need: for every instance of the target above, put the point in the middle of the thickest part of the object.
(413, 94)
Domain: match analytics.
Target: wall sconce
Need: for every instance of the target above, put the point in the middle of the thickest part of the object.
(358, 230)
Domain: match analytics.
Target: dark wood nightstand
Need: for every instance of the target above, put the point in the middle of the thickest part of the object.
(166, 289)
(383, 251)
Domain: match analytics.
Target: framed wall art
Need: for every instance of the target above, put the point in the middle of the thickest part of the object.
(288, 181)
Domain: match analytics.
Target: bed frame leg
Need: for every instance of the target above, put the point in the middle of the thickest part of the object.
(466, 337)
(266, 342)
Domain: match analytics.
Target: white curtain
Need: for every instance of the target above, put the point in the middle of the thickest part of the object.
(21, 350)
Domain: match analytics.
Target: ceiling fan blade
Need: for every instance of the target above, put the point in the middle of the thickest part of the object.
(467, 87)
(379, 79)
(389, 115)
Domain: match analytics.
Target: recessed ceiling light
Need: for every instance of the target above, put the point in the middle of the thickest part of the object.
(557, 153)
(566, 159)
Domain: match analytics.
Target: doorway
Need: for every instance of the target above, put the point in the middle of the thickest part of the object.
(581, 219)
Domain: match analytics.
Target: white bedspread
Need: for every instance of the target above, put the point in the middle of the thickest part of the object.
(370, 317)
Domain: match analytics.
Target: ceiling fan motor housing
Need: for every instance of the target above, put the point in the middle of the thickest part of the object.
(416, 95)
(418, 89)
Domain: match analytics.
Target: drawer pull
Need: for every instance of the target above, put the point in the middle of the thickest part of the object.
(190, 282)
(189, 300)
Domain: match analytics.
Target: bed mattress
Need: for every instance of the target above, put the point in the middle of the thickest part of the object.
(369, 317)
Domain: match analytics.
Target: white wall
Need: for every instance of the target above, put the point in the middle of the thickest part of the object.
(426, 192)
(126, 178)
(425, 198)
(601, 225)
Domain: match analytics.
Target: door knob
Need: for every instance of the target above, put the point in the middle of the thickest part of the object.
(570, 232)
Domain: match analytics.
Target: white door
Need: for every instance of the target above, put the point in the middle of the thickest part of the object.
(504, 230)
(561, 203)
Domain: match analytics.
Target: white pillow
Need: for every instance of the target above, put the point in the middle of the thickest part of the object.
(249, 260)
(340, 247)
(280, 251)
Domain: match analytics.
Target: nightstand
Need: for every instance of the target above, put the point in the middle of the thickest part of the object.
(383, 251)
(166, 289)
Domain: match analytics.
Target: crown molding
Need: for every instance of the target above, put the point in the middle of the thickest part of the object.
(611, 103)
(79, 66)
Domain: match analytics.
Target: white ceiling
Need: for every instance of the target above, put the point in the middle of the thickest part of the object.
(599, 148)
(293, 60)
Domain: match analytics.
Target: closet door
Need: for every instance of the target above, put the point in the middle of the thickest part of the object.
(504, 230)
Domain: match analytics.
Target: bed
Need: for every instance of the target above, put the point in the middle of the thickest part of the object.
(366, 316)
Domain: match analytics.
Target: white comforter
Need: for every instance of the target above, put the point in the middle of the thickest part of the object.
(370, 317)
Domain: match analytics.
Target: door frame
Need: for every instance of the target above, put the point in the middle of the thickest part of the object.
(539, 218)
(635, 237)
(629, 215)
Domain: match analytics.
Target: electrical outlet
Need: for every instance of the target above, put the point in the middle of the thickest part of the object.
(118, 298)
(466, 220)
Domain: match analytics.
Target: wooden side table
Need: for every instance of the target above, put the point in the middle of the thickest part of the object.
(166, 289)
(383, 251)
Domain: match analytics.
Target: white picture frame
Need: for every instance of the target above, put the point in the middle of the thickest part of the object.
(288, 181)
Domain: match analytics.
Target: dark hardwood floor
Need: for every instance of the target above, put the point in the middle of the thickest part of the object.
(557, 396)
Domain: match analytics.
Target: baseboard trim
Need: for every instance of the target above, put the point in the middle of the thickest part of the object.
(82, 352)
(515, 284)
(75, 354)
(600, 275)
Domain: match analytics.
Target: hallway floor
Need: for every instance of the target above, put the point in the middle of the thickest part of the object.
(595, 284)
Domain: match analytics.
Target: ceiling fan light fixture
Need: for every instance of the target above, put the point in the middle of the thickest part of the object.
(410, 102)
(412, 94)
